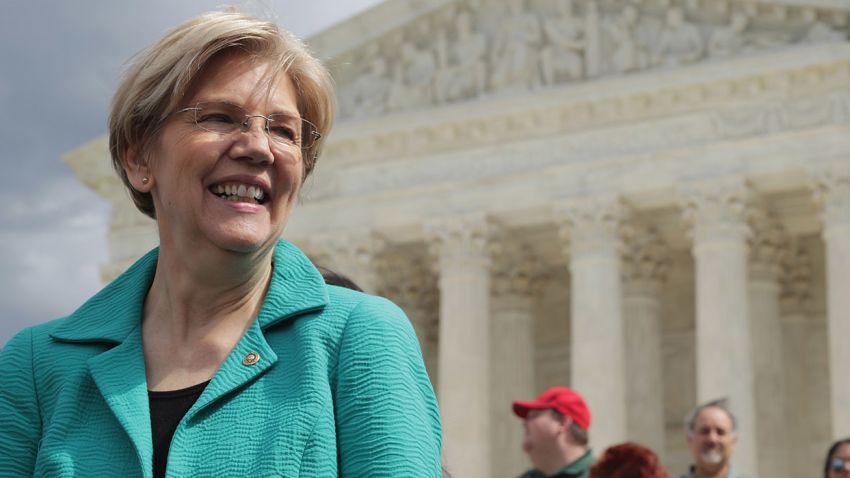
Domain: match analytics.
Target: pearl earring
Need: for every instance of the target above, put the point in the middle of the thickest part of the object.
(145, 180)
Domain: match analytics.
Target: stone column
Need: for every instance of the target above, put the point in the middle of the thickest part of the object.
(517, 281)
(645, 265)
(806, 401)
(716, 210)
(590, 228)
(833, 194)
(461, 246)
(409, 281)
(350, 253)
(767, 249)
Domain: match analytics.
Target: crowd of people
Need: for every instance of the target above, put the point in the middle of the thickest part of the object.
(556, 429)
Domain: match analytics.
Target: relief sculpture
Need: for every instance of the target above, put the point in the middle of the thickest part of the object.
(413, 78)
(515, 51)
(466, 50)
(680, 41)
(463, 62)
(562, 59)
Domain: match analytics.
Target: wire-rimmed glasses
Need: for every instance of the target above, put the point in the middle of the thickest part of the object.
(226, 118)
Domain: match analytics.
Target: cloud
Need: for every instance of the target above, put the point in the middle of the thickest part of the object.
(54, 241)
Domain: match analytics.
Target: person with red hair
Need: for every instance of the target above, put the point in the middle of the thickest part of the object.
(628, 460)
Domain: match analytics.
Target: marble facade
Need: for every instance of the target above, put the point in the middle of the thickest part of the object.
(648, 201)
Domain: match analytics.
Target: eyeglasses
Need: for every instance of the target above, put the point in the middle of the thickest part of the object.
(226, 118)
(838, 464)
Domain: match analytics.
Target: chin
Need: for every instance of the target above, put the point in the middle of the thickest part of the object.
(244, 243)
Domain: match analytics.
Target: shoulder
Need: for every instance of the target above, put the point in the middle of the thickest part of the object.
(368, 317)
(33, 339)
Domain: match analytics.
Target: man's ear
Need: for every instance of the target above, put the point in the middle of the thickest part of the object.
(136, 167)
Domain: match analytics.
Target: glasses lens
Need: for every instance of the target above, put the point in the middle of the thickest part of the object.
(838, 464)
(282, 129)
(218, 117)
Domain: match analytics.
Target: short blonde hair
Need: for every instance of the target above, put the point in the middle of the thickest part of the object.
(158, 79)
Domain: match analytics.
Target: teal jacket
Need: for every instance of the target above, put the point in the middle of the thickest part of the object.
(339, 389)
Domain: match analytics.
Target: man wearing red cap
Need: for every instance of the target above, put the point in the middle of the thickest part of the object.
(556, 434)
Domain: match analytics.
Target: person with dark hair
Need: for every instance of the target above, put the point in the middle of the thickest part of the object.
(712, 434)
(628, 460)
(556, 426)
(838, 460)
(337, 279)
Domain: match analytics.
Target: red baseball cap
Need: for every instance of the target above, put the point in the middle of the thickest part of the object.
(564, 400)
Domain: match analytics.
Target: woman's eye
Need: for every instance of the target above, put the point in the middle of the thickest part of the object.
(216, 118)
(283, 132)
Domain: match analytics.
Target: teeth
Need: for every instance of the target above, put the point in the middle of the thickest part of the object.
(234, 192)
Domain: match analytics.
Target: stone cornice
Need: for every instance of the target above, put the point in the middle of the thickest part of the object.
(797, 89)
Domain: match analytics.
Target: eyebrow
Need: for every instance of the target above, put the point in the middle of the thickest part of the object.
(286, 112)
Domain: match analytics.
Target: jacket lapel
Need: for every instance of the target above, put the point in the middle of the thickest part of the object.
(296, 288)
(119, 374)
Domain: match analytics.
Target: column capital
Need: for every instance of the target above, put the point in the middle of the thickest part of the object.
(831, 185)
(352, 253)
(590, 225)
(716, 210)
(358, 246)
(767, 245)
(517, 271)
(645, 258)
(460, 240)
(409, 281)
(796, 295)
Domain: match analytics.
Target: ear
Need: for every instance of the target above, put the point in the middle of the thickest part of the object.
(137, 170)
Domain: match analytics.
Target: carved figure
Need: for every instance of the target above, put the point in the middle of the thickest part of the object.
(367, 95)
(622, 35)
(463, 64)
(515, 53)
(680, 41)
(563, 58)
(729, 40)
(820, 32)
(413, 78)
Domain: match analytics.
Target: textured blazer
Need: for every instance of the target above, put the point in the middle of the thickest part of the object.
(336, 386)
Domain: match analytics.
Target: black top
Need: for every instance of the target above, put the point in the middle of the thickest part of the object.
(167, 409)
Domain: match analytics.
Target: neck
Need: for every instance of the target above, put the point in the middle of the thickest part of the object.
(551, 463)
(193, 291)
(716, 471)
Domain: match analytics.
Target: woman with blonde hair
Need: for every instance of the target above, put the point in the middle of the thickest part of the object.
(222, 352)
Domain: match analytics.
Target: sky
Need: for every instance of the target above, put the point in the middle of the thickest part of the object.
(60, 62)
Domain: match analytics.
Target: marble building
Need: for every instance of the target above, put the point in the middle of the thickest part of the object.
(646, 200)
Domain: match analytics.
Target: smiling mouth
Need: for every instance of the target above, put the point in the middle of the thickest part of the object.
(238, 192)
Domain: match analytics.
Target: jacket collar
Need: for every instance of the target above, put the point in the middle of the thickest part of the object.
(113, 313)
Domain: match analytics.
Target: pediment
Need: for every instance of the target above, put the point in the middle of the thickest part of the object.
(409, 55)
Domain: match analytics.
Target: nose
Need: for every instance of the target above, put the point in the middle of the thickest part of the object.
(252, 142)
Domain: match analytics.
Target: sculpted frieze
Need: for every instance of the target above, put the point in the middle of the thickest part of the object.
(479, 48)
